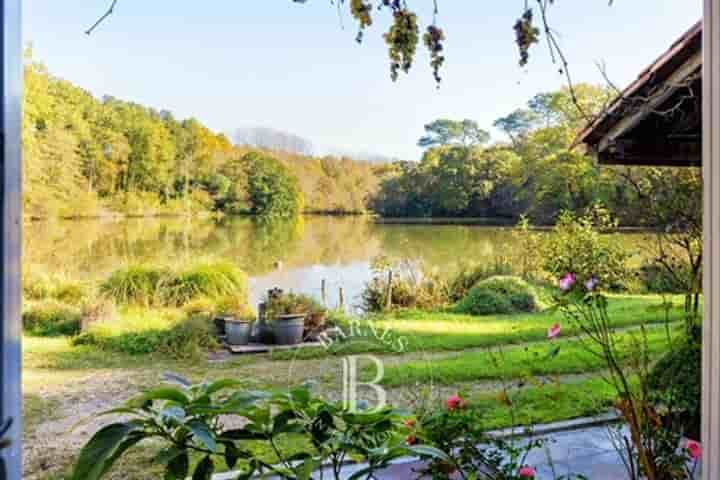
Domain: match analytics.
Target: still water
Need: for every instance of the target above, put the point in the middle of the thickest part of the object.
(296, 256)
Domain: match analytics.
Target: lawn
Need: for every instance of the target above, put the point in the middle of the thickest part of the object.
(64, 384)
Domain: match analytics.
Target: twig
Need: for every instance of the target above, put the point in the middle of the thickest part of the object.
(100, 20)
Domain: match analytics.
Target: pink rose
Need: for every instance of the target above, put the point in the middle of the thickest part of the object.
(553, 331)
(454, 402)
(567, 282)
(694, 449)
(526, 472)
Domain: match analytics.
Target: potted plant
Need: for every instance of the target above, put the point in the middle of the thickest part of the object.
(237, 317)
(287, 313)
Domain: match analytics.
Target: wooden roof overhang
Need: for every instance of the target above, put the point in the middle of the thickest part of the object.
(656, 120)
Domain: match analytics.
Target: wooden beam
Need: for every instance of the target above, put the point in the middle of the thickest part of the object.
(630, 121)
(711, 267)
(662, 152)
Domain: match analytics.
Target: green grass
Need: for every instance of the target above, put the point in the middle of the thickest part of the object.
(444, 331)
(546, 404)
(573, 357)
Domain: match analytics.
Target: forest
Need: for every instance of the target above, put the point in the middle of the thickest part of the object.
(94, 157)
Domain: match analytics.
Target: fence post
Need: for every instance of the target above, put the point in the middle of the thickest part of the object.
(388, 293)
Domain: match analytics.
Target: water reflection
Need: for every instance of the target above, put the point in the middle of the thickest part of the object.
(295, 256)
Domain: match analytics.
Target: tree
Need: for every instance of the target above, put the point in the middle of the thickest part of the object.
(464, 133)
(272, 191)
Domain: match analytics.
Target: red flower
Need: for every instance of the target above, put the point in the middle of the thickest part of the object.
(411, 440)
(694, 449)
(526, 472)
(454, 402)
(554, 331)
(409, 423)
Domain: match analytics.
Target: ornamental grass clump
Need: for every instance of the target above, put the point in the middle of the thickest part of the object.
(135, 284)
(211, 280)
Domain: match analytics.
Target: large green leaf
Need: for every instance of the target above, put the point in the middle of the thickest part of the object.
(202, 433)
(222, 385)
(178, 467)
(204, 469)
(164, 393)
(98, 455)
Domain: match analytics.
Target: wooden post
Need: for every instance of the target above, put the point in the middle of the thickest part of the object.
(323, 293)
(388, 293)
(711, 267)
(10, 244)
(341, 305)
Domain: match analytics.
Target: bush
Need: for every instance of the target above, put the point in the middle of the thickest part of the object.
(657, 279)
(676, 380)
(235, 306)
(168, 332)
(499, 295)
(576, 245)
(212, 280)
(279, 303)
(51, 318)
(135, 284)
(45, 287)
(470, 274)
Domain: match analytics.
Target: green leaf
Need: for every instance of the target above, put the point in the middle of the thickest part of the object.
(167, 455)
(204, 469)
(222, 385)
(428, 451)
(178, 467)
(164, 393)
(98, 455)
(202, 433)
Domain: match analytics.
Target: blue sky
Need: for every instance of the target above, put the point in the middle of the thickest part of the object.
(240, 63)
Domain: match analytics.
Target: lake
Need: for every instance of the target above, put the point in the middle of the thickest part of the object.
(296, 256)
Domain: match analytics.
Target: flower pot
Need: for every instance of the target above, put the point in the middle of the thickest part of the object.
(220, 325)
(288, 329)
(238, 331)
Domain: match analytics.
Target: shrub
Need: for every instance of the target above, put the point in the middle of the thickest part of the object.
(168, 332)
(499, 295)
(210, 280)
(45, 287)
(658, 279)
(135, 284)
(469, 274)
(412, 286)
(577, 245)
(51, 318)
(279, 303)
(676, 380)
(235, 306)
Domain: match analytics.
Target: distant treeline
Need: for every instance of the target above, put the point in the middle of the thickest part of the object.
(535, 172)
(88, 156)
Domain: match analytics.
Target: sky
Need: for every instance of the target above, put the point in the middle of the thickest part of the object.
(297, 68)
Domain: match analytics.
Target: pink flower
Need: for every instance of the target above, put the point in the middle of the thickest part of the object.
(567, 282)
(409, 423)
(554, 331)
(591, 284)
(526, 472)
(694, 449)
(454, 402)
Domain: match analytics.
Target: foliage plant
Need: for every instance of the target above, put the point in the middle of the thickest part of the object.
(222, 423)
(406, 282)
(279, 303)
(653, 449)
(584, 245)
(51, 318)
(499, 295)
(470, 274)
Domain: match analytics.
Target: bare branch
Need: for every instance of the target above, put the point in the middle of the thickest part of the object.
(100, 20)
